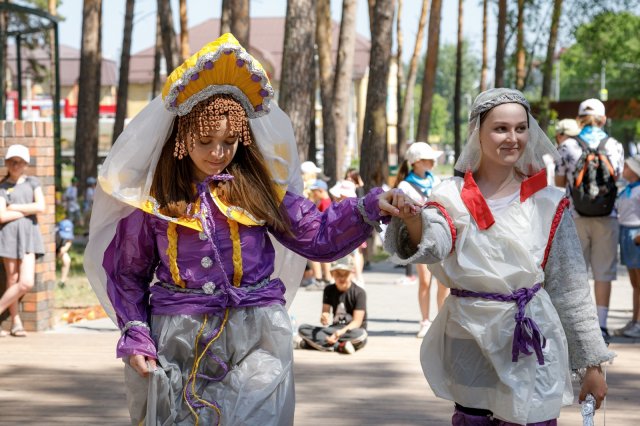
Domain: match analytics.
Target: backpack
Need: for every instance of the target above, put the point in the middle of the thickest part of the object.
(594, 189)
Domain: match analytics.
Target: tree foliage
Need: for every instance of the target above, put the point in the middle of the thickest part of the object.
(442, 114)
(612, 37)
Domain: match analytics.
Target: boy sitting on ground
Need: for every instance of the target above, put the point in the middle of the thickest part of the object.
(346, 332)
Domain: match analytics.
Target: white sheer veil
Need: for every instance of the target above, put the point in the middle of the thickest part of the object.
(538, 144)
(125, 178)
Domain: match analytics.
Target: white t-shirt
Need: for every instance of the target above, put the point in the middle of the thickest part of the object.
(413, 193)
(629, 208)
(499, 204)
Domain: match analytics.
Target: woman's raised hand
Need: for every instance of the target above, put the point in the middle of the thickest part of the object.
(396, 203)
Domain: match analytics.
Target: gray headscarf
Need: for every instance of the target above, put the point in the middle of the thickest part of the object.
(531, 161)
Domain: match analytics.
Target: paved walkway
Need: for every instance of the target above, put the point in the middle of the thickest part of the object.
(69, 376)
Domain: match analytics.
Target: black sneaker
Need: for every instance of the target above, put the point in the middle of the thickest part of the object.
(605, 335)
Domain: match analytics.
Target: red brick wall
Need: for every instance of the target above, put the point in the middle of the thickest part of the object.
(36, 307)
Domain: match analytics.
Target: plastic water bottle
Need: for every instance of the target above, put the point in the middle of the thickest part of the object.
(294, 324)
(588, 410)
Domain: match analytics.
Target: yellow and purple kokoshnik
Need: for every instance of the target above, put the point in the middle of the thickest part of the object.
(222, 66)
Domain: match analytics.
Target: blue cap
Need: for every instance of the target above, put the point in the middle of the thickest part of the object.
(319, 184)
(65, 229)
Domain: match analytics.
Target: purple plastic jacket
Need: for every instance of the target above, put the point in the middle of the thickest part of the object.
(139, 250)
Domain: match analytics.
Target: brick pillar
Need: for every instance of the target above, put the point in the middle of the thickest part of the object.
(36, 307)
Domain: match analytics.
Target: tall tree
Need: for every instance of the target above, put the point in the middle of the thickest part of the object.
(325, 74)
(123, 82)
(405, 109)
(334, 154)
(157, 59)
(87, 122)
(431, 67)
(297, 89)
(547, 69)
(52, 8)
(225, 17)
(184, 31)
(501, 43)
(484, 70)
(374, 170)
(520, 52)
(169, 41)
(458, 87)
(240, 21)
(401, 136)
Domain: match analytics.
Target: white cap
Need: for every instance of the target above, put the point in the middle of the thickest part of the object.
(421, 151)
(634, 164)
(18, 151)
(343, 188)
(568, 127)
(591, 107)
(309, 167)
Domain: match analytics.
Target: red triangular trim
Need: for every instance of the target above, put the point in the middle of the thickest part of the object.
(475, 202)
(562, 206)
(533, 184)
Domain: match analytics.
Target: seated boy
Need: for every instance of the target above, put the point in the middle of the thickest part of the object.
(347, 331)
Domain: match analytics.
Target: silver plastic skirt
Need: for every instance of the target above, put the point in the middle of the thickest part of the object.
(235, 368)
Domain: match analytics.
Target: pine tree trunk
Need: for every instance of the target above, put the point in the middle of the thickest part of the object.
(484, 69)
(225, 18)
(169, 42)
(157, 59)
(401, 132)
(430, 68)
(334, 155)
(325, 74)
(184, 31)
(123, 82)
(520, 52)
(297, 82)
(52, 8)
(500, 43)
(240, 23)
(88, 118)
(457, 95)
(374, 171)
(407, 107)
(547, 69)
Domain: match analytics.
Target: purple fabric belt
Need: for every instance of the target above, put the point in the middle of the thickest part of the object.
(527, 337)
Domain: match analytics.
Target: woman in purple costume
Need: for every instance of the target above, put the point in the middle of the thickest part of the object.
(192, 238)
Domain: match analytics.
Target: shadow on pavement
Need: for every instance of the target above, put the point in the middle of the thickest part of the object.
(62, 396)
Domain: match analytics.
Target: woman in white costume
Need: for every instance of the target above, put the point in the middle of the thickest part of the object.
(520, 316)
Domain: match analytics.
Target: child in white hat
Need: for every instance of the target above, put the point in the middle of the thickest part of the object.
(628, 206)
(416, 179)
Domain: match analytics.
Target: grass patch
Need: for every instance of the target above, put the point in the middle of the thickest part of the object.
(77, 291)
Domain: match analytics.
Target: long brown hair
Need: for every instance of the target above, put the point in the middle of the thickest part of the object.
(252, 187)
(403, 172)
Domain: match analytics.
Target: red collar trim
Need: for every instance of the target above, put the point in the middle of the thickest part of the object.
(477, 205)
(475, 202)
(533, 184)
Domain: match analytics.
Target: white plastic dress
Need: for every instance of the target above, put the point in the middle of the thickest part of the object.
(467, 354)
